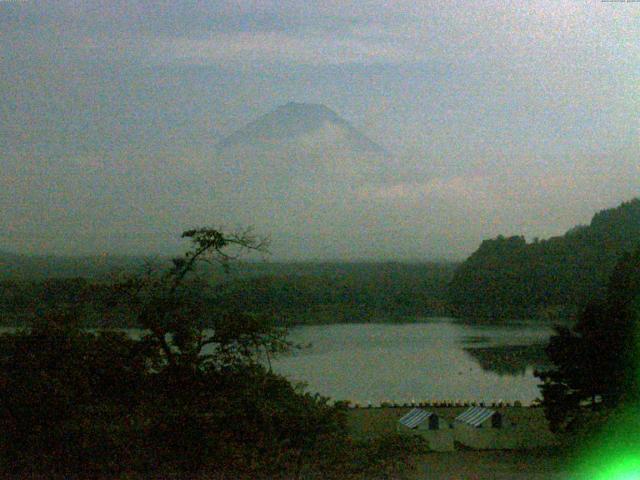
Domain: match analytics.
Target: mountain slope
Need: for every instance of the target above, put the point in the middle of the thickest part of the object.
(288, 123)
(300, 144)
(508, 278)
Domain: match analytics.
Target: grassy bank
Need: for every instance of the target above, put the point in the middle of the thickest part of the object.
(547, 463)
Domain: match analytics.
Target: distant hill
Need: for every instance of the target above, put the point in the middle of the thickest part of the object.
(39, 267)
(510, 278)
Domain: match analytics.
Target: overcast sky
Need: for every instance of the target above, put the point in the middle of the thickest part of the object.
(515, 117)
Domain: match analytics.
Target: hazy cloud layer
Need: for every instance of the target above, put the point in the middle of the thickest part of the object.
(504, 117)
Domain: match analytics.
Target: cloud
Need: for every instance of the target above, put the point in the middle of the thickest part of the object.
(500, 112)
(467, 189)
(508, 188)
(526, 34)
(554, 35)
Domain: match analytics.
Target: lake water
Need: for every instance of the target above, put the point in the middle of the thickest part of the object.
(438, 359)
(435, 359)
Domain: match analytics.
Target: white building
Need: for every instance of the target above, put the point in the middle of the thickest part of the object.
(427, 425)
(484, 429)
(480, 428)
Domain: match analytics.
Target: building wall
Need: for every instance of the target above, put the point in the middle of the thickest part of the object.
(479, 438)
(438, 440)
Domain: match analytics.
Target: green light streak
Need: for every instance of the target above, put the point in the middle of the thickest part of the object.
(614, 454)
(626, 468)
(611, 451)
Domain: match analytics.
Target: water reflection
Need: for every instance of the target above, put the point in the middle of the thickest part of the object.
(510, 359)
(435, 359)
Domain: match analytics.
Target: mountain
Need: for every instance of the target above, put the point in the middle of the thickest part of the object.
(300, 143)
(509, 278)
(295, 122)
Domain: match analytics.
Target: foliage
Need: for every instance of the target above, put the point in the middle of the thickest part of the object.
(343, 292)
(56, 378)
(509, 278)
(596, 361)
(180, 398)
(295, 293)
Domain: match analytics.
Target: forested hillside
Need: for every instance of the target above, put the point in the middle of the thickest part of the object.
(510, 278)
(343, 292)
(294, 293)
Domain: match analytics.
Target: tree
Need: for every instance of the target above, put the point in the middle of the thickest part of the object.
(65, 396)
(172, 306)
(507, 278)
(596, 360)
(181, 399)
(61, 382)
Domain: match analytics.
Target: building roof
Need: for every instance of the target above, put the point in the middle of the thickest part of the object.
(475, 416)
(415, 417)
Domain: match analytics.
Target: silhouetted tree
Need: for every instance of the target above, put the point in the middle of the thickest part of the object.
(596, 361)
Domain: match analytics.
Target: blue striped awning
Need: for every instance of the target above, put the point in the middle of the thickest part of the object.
(414, 418)
(475, 416)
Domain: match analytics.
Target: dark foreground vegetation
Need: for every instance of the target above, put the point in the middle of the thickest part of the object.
(591, 396)
(194, 397)
(508, 278)
(80, 404)
(597, 361)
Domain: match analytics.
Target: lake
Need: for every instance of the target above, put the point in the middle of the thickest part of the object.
(436, 359)
(432, 359)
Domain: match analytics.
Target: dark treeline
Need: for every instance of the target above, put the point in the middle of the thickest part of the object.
(329, 293)
(510, 278)
(294, 293)
(505, 278)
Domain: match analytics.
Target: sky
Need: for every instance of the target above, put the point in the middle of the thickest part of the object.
(503, 118)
